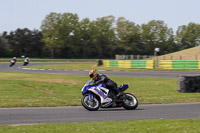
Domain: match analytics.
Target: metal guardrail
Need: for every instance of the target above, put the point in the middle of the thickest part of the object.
(129, 63)
(134, 57)
(163, 57)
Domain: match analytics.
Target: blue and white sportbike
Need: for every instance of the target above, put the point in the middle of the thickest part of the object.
(96, 96)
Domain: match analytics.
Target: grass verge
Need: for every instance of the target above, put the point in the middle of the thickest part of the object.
(94, 66)
(139, 126)
(64, 67)
(34, 90)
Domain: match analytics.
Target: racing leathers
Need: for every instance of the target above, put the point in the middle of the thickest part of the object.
(103, 79)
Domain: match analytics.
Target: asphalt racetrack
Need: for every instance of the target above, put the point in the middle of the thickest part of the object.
(16, 116)
(160, 74)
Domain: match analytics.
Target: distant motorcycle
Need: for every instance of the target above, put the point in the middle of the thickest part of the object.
(26, 61)
(12, 62)
(94, 95)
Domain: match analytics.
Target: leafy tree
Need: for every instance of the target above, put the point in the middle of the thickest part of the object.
(83, 39)
(50, 31)
(36, 47)
(22, 42)
(156, 34)
(188, 36)
(19, 41)
(5, 49)
(64, 36)
(103, 37)
(129, 37)
(58, 33)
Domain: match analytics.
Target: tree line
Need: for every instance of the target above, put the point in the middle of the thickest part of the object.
(63, 35)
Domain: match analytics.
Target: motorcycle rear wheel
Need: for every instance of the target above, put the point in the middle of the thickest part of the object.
(91, 105)
(131, 102)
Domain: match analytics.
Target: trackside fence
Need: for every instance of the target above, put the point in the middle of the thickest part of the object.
(179, 64)
(150, 64)
(129, 63)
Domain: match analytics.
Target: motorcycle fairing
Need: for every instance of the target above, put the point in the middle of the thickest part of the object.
(95, 89)
(98, 92)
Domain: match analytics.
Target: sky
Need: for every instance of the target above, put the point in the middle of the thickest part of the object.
(30, 13)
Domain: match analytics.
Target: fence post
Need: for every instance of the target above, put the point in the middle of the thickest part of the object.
(117, 57)
(138, 57)
(180, 57)
(155, 60)
(145, 57)
(131, 57)
(126, 57)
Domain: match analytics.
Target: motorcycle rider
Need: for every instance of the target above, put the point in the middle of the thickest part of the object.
(13, 61)
(103, 79)
(26, 61)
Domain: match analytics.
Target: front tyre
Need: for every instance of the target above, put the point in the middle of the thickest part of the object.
(91, 105)
(130, 101)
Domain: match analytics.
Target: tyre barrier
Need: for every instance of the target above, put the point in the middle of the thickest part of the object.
(189, 84)
(99, 63)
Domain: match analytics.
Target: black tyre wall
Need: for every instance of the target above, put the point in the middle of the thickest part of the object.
(189, 84)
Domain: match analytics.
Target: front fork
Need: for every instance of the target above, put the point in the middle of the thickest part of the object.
(91, 99)
(90, 96)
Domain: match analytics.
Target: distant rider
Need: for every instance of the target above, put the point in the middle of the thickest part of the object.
(13, 61)
(26, 61)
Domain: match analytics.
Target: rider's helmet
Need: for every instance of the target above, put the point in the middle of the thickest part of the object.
(93, 74)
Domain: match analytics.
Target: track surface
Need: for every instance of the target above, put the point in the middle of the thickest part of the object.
(79, 114)
(160, 74)
(17, 116)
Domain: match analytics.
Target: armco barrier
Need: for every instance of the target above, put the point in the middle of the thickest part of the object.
(113, 63)
(138, 64)
(179, 64)
(165, 64)
(106, 63)
(129, 63)
(149, 64)
(124, 64)
(185, 64)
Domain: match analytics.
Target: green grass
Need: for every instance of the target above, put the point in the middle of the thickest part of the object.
(34, 90)
(79, 67)
(94, 66)
(28, 90)
(64, 67)
(138, 126)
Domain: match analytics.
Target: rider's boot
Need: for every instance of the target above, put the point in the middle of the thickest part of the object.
(106, 102)
(118, 94)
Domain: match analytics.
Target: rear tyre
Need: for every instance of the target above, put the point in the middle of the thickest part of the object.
(91, 105)
(130, 102)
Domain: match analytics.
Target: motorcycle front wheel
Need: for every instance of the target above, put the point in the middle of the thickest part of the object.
(130, 101)
(91, 105)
